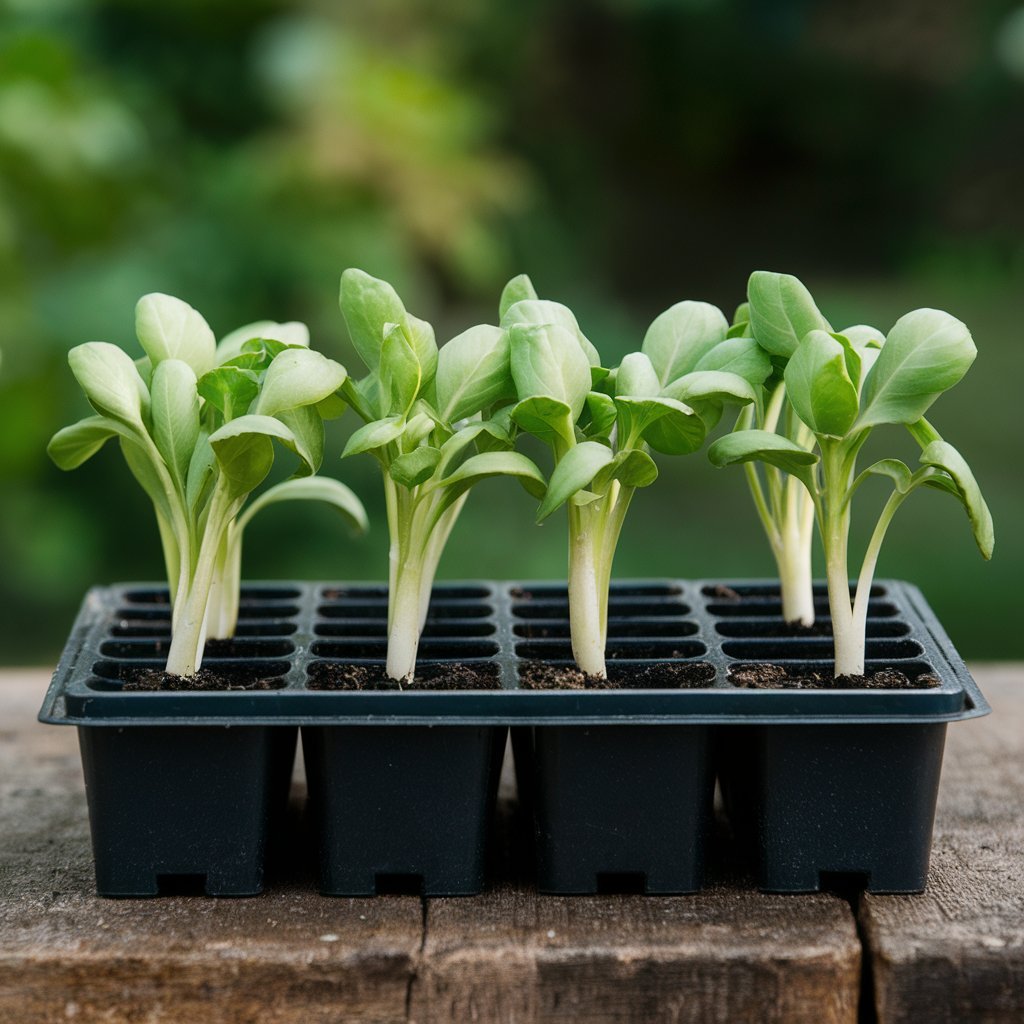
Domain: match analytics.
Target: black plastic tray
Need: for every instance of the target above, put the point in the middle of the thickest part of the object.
(287, 630)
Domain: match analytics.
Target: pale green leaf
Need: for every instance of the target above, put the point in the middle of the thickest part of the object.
(80, 441)
(473, 372)
(541, 312)
(547, 362)
(110, 380)
(375, 434)
(546, 418)
(636, 377)
(169, 328)
(518, 289)
(943, 456)
(764, 446)
(926, 353)
(175, 412)
(632, 468)
(574, 472)
(245, 452)
(782, 312)
(413, 468)
(290, 333)
(680, 337)
(711, 386)
(298, 377)
(311, 488)
(740, 355)
(819, 387)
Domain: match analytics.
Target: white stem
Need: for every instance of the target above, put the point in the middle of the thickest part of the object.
(224, 591)
(188, 635)
(587, 625)
(794, 561)
(404, 623)
(847, 635)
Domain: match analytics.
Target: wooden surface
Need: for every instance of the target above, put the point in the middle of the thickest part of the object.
(727, 955)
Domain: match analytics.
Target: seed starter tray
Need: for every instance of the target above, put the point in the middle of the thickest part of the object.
(289, 632)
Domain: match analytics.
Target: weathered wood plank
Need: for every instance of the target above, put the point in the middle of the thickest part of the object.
(287, 957)
(728, 954)
(956, 953)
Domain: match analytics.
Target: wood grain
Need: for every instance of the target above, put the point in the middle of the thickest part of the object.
(955, 954)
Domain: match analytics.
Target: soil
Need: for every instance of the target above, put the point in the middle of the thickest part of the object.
(454, 676)
(537, 675)
(204, 679)
(777, 677)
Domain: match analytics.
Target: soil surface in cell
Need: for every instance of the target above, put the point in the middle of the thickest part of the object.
(204, 679)
(778, 677)
(537, 675)
(454, 676)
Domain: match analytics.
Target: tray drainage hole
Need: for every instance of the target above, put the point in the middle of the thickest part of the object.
(392, 884)
(181, 885)
(622, 883)
(846, 884)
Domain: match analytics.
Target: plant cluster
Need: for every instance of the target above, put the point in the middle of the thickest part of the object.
(196, 421)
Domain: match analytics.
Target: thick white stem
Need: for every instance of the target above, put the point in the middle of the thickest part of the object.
(222, 618)
(587, 616)
(188, 635)
(794, 561)
(847, 635)
(404, 623)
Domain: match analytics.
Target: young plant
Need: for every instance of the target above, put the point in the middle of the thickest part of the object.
(196, 424)
(601, 427)
(842, 386)
(438, 423)
(783, 505)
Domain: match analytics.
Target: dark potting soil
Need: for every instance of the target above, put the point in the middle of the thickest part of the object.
(204, 679)
(454, 676)
(777, 677)
(537, 675)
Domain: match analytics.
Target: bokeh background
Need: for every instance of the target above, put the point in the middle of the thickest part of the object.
(626, 153)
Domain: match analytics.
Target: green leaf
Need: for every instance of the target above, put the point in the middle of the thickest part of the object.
(547, 362)
(603, 413)
(543, 312)
(782, 312)
(421, 337)
(415, 467)
(146, 470)
(311, 488)
(636, 377)
(229, 389)
(298, 377)
(367, 304)
(308, 429)
(926, 353)
(201, 470)
(574, 472)
(245, 452)
(110, 380)
(517, 290)
(678, 338)
(667, 425)
(400, 375)
(861, 336)
(546, 418)
(711, 386)
(488, 464)
(168, 328)
(473, 372)
(487, 431)
(898, 472)
(943, 456)
(819, 387)
(742, 356)
(742, 314)
(375, 434)
(80, 441)
(417, 428)
(764, 446)
(633, 468)
(175, 410)
(290, 333)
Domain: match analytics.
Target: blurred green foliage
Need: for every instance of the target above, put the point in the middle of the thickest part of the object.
(626, 153)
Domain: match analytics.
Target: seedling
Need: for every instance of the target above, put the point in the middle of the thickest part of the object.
(438, 423)
(196, 424)
(842, 386)
(601, 427)
(783, 505)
